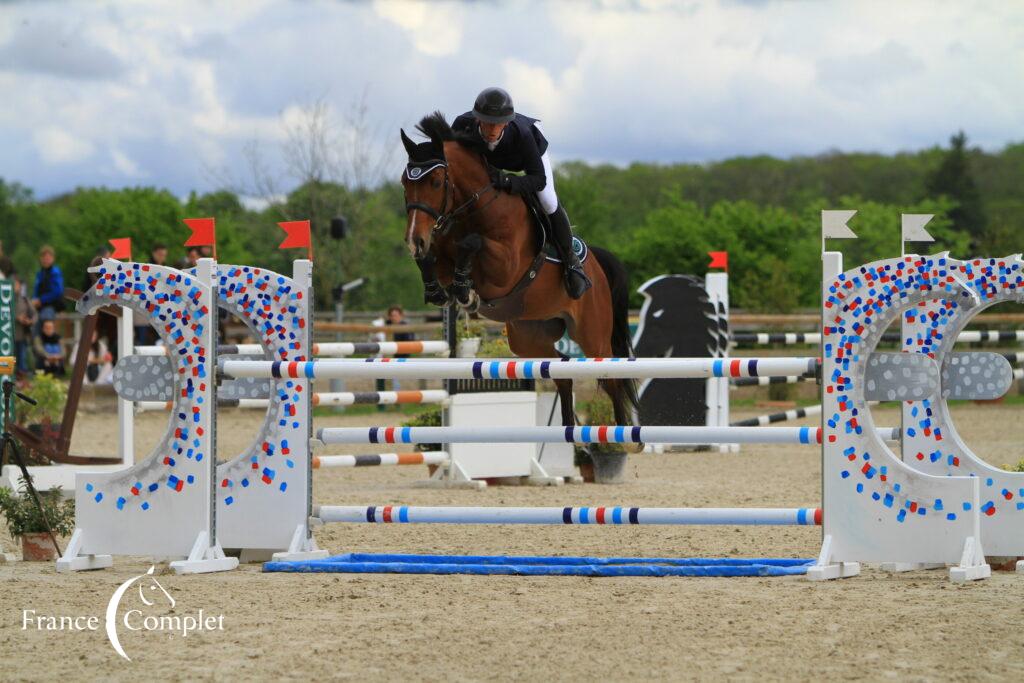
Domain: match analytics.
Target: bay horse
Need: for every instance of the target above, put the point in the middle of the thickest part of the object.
(479, 245)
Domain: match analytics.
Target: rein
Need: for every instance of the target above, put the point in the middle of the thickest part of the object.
(443, 220)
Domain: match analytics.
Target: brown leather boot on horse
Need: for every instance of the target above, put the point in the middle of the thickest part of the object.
(461, 229)
(576, 280)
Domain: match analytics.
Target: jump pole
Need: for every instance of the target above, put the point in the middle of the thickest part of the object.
(573, 368)
(380, 459)
(401, 514)
(594, 434)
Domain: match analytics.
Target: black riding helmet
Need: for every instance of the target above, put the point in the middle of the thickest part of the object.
(494, 105)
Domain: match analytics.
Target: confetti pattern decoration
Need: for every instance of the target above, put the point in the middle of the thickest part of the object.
(159, 505)
(931, 442)
(262, 495)
(879, 509)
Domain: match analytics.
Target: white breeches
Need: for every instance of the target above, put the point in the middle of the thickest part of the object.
(548, 198)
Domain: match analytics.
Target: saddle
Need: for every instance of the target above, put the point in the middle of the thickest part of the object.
(542, 227)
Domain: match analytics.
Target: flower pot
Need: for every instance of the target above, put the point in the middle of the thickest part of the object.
(37, 547)
(609, 467)
(468, 347)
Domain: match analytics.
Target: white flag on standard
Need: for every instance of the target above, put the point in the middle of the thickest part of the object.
(913, 227)
(833, 224)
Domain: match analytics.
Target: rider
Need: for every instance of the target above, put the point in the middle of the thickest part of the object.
(516, 143)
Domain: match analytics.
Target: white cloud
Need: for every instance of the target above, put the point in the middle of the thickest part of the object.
(57, 146)
(183, 86)
(434, 27)
(125, 165)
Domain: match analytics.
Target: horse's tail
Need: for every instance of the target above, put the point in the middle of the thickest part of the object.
(622, 340)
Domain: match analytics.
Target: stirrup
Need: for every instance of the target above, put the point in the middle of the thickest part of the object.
(576, 281)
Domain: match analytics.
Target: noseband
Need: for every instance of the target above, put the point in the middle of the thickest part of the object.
(443, 220)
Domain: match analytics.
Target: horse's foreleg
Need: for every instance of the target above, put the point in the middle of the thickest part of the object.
(565, 400)
(462, 279)
(433, 292)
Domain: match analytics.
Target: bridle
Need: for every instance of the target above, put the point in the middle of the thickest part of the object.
(443, 219)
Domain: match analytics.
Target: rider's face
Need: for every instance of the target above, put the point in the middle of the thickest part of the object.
(491, 132)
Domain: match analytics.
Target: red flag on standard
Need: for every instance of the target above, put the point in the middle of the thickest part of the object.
(719, 259)
(122, 248)
(297, 235)
(203, 232)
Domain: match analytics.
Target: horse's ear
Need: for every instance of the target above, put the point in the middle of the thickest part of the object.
(410, 146)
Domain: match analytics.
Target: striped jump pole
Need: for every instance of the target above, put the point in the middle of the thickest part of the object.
(785, 416)
(401, 514)
(340, 398)
(380, 459)
(593, 434)
(572, 368)
(381, 398)
(968, 336)
(329, 349)
(765, 381)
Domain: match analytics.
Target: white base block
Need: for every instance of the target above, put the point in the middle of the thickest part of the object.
(1020, 566)
(6, 557)
(826, 569)
(972, 565)
(302, 547)
(451, 476)
(72, 561)
(204, 558)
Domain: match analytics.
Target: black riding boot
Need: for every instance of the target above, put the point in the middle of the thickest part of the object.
(576, 280)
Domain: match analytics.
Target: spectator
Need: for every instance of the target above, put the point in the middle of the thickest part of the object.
(396, 316)
(143, 332)
(97, 260)
(48, 294)
(192, 256)
(25, 319)
(158, 254)
(47, 348)
(99, 367)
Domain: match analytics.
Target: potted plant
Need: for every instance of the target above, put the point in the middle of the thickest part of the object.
(600, 463)
(468, 334)
(430, 417)
(43, 419)
(25, 521)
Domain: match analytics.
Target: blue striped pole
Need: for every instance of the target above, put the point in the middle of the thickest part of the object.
(403, 514)
(572, 368)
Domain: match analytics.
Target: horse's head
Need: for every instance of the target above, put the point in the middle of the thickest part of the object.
(427, 191)
(432, 181)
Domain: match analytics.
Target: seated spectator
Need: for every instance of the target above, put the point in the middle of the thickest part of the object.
(25, 319)
(100, 365)
(48, 350)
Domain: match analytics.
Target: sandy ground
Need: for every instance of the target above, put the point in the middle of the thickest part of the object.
(908, 627)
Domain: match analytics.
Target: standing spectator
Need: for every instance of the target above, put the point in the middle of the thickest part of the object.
(89, 278)
(158, 254)
(25, 319)
(48, 294)
(192, 256)
(48, 349)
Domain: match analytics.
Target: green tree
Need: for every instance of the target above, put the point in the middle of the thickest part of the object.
(953, 179)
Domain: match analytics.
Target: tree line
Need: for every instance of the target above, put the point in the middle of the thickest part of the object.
(658, 218)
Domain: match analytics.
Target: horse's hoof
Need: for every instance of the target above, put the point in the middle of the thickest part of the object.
(473, 305)
(437, 297)
(633, 447)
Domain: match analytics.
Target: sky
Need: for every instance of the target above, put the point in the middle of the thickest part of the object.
(172, 94)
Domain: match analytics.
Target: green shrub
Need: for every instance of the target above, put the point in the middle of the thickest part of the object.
(23, 517)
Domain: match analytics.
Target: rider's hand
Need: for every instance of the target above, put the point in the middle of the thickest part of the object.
(502, 180)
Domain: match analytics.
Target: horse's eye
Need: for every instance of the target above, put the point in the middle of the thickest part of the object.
(436, 183)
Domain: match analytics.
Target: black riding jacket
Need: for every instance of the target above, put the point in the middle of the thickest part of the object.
(519, 149)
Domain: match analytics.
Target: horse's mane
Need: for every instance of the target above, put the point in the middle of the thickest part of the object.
(436, 127)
